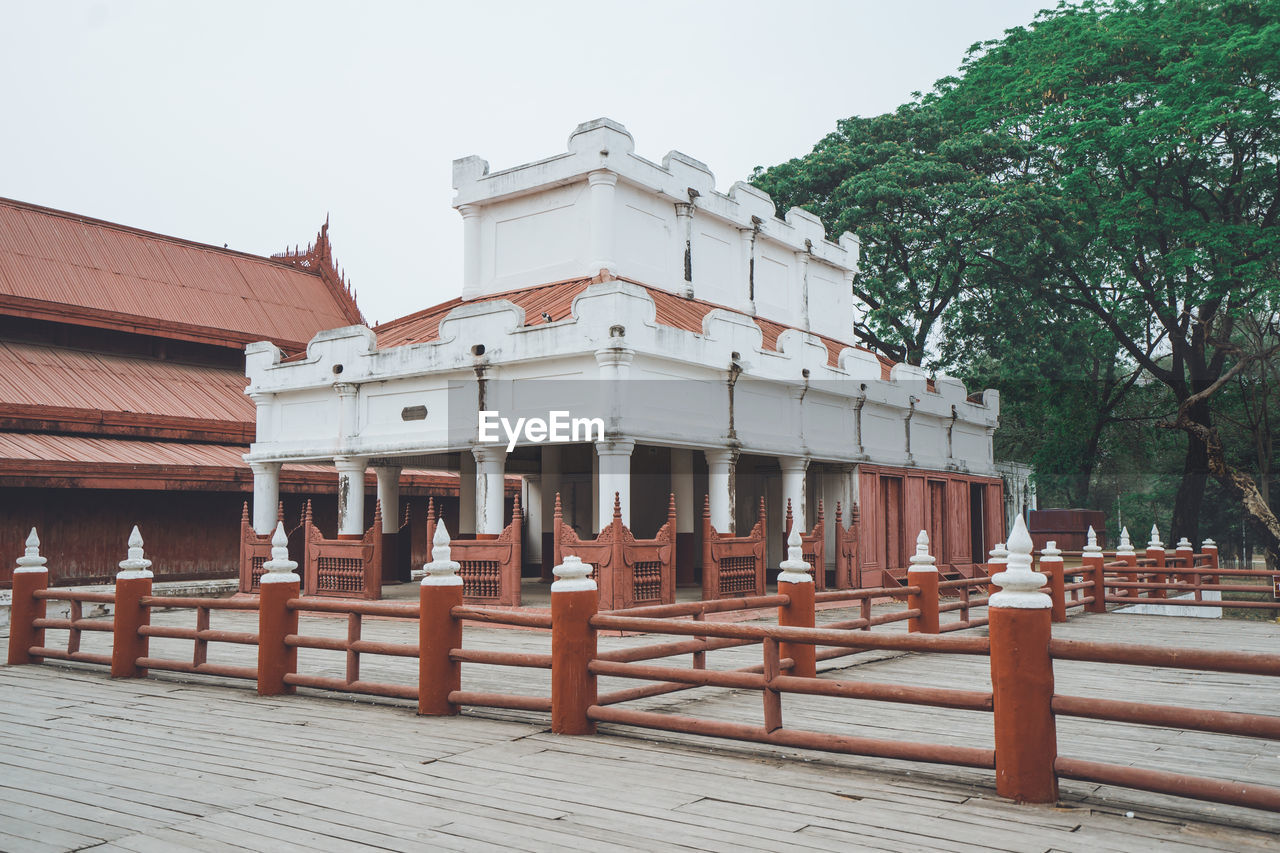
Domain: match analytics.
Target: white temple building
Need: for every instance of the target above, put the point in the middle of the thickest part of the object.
(712, 340)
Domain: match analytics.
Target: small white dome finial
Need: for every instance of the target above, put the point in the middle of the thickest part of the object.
(794, 568)
(31, 561)
(443, 569)
(1019, 586)
(572, 575)
(1091, 547)
(135, 565)
(1155, 539)
(922, 560)
(279, 569)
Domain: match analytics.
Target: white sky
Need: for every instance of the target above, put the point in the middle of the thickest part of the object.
(246, 122)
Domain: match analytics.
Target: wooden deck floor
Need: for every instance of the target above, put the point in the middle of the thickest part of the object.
(173, 763)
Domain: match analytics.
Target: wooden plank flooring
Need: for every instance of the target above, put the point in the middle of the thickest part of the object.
(199, 763)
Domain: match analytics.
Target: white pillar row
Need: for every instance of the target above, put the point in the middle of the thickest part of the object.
(389, 496)
(350, 494)
(720, 464)
(614, 475)
(266, 495)
(466, 492)
(532, 531)
(470, 250)
(603, 186)
(793, 489)
(682, 488)
(491, 463)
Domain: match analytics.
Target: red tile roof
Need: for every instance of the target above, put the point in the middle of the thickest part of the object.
(36, 375)
(556, 299)
(64, 267)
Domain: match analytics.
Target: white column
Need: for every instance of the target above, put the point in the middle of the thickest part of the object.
(802, 269)
(389, 496)
(684, 225)
(614, 475)
(491, 461)
(470, 250)
(793, 471)
(603, 186)
(551, 480)
(720, 464)
(348, 410)
(748, 236)
(532, 530)
(682, 488)
(266, 495)
(350, 494)
(264, 426)
(466, 492)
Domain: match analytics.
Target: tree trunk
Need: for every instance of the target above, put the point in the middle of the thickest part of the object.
(1195, 474)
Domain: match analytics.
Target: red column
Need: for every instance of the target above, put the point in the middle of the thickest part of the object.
(1051, 566)
(1126, 553)
(276, 621)
(439, 631)
(1022, 679)
(1210, 549)
(1094, 564)
(574, 600)
(132, 583)
(924, 574)
(795, 582)
(1155, 552)
(29, 576)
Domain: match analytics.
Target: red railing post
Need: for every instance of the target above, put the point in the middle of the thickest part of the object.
(1051, 566)
(1094, 564)
(996, 561)
(574, 600)
(439, 631)
(1185, 557)
(1210, 550)
(795, 582)
(923, 573)
(1155, 552)
(133, 581)
(30, 575)
(277, 587)
(1022, 679)
(1126, 553)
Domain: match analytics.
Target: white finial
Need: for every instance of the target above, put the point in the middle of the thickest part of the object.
(1051, 552)
(31, 561)
(1091, 547)
(443, 569)
(571, 575)
(279, 569)
(1155, 539)
(922, 560)
(1209, 543)
(999, 554)
(135, 566)
(1019, 586)
(1184, 544)
(794, 568)
(1126, 547)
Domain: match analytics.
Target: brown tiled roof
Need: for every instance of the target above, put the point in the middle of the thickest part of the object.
(64, 267)
(37, 375)
(556, 299)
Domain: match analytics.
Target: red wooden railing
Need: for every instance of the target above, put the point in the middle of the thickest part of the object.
(630, 572)
(343, 568)
(733, 566)
(846, 545)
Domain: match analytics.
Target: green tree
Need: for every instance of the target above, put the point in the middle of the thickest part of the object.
(1152, 132)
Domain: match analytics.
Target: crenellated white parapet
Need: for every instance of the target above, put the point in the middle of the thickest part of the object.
(794, 568)
(31, 561)
(599, 205)
(135, 565)
(279, 569)
(443, 569)
(1019, 586)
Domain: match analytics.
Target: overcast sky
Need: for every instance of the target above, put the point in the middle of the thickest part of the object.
(246, 122)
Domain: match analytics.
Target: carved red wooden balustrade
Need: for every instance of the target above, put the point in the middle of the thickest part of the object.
(254, 549)
(813, 547)
(490, 568)
(342, 568)
(846, 544)
(629, 571)
(733, 566)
